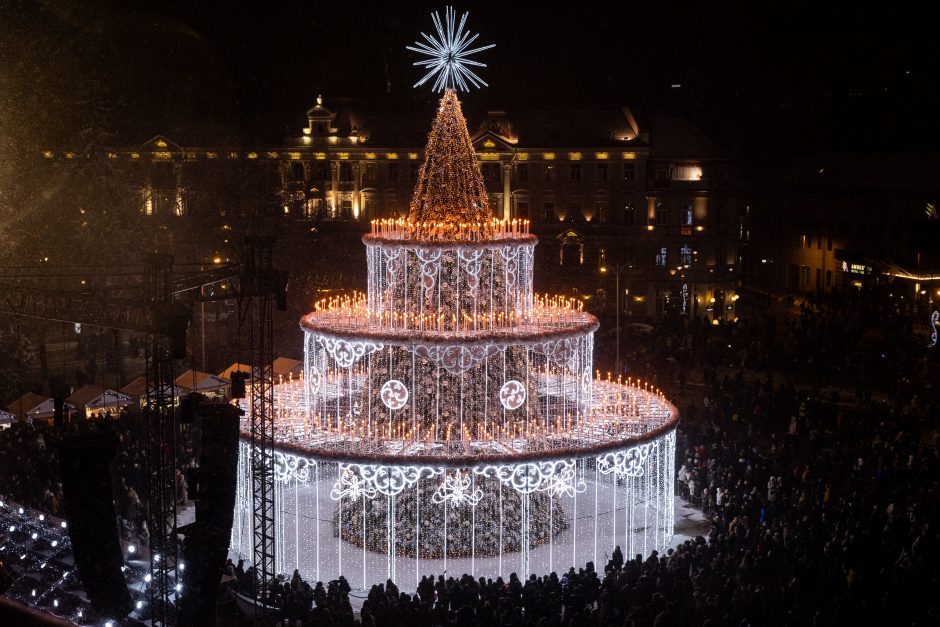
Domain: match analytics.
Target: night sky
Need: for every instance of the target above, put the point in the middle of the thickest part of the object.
(763, 83)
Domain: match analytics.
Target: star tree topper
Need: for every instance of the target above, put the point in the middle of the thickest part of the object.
(448, 55)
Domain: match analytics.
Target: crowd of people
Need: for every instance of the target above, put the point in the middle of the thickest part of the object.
(30, 472)
(811, 443)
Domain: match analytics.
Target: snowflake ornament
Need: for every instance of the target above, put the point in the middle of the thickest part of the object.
(448, 55)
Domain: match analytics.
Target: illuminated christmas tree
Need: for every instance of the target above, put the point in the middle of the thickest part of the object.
(450, 186)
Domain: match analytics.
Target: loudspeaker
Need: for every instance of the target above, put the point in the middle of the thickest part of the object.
(84, 466)
(238, 384)
(207, 540)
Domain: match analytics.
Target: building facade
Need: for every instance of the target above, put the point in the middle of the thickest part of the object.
(654, 209)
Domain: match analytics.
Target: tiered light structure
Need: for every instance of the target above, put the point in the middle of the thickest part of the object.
(449, 419)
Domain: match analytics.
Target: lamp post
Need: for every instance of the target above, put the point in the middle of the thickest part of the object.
(616, 269)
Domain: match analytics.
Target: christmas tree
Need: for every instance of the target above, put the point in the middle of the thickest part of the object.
(450, 186)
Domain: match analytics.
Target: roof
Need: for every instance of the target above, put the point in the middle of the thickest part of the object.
(135, 388)
(192, 379)
(83, 395)
(235, 367)
(605, 128)
(109, 398)
(678, 137)
(26, 403)
(285, 366)
(47, 408)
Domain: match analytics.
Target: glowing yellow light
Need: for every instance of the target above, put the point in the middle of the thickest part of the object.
(629, 155)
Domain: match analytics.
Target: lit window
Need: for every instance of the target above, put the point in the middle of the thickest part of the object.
(661, 258)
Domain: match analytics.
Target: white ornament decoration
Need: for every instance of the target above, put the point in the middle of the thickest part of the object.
(289, 467)
(457, 358)
(566, 483)
(313, 379)
(394, 394)
(512, 395)
(457, 489)
(526, 478)
(346, 352)
(625, 463)
(351, 485)
(448, 55)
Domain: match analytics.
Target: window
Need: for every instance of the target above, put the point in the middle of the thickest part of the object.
(522, 209)
(549, 210)
(629, 213)
(549, 173)
(522, 173)
(393, 171)
(491, 172)
(574, 211)
(601, 172)
(661, 258)
(685, 255)
(662, 214)
(575, 171)
(686, 213)
(369, 174)
(686, 172)
(629, 172)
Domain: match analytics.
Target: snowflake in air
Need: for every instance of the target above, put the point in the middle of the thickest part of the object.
(448, 54)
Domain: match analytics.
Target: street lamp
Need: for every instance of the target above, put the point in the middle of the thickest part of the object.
(616, 269)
